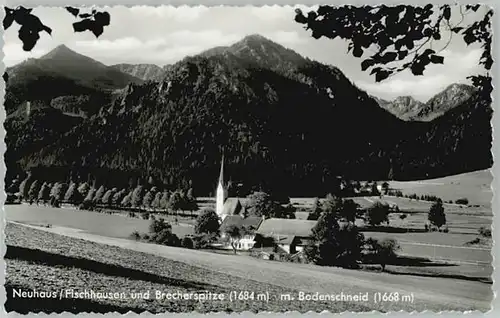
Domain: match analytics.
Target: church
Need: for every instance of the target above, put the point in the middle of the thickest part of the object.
(225, 206)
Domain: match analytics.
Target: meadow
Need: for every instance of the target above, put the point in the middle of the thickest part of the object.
(55, 258)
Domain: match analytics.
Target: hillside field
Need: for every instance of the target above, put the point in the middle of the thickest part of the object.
(55, 258)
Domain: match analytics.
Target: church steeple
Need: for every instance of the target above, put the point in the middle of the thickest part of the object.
(221, 175)
(221, 192)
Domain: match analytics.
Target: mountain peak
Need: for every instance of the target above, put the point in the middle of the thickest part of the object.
(61, 52)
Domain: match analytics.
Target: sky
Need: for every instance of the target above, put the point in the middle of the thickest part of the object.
(166, 34)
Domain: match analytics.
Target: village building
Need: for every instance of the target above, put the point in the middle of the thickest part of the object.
(249, 224)
(291, 235)
(225, 206)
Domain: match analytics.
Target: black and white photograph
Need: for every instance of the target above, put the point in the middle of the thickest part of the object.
(180, 159)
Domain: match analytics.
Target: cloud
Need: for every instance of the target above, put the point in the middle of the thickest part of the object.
(457, 66)
(166, 34)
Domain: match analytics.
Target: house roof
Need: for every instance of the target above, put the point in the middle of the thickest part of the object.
(284, 239)
(232, 206)
(238, 220)
(283, 227)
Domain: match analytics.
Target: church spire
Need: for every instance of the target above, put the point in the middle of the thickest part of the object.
(221, 175)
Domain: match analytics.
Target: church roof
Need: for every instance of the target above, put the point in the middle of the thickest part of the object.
(232, 206)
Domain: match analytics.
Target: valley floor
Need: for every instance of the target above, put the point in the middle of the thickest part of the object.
(58, 258)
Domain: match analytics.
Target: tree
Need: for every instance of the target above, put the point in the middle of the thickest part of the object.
(31, 25)
(436, 215)
(90, 195)
(333, 204)
(44, 193)
(165, 198)
(234, 233)
(315, 210)
(259, 204)
(349, 210)
(175, 202)
(72, 195)
(148, 199)
(83, 189)
(25, 186)
(377, 214)
(383, 251)
(385, 187)
(207, 222)
(99, 194)
(187, 242)
(33, 190)
(118, 197)
(161, 233)
(58, 190)
(335, 245)
(156, 201)
(191, 204)
(374, 190)
(407, 43)
(127, 199)
(107, 198)
(137, 196)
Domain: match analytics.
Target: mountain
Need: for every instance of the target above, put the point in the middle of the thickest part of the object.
(407, 108)
(143, 71)
(451, 97)
(295, 124)
(403, 107)
(64, 62)
(61, 72)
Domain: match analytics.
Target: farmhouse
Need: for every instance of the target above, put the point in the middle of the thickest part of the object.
(291, 235)
(250, 224)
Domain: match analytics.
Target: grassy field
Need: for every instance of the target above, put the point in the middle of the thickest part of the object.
(46, 260)
(475, 186)
(113, 225)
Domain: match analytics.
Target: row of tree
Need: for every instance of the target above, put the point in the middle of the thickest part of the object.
(88, 197)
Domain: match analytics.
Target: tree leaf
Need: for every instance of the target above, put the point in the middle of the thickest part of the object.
(366, 64)
(358, 51)
(447, 13)
(73, 11)
(8, 19)
(417, 69)
(437, 59)
(382, 75)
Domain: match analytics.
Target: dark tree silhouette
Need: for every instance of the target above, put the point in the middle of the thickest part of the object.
(31, 25)
(403, 45)
(436, 215)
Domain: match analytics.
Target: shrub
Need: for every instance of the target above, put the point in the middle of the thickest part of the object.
(131, 214)
(87, 205)
(381, 252)
(145, 215)
(135, 236)
(484, 231)
(187, 242)
(146, 237)
(463, 201)
(203, 240)
(207, 222)
(377, 213)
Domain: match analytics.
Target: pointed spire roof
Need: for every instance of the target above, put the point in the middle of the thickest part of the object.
(221, 175)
